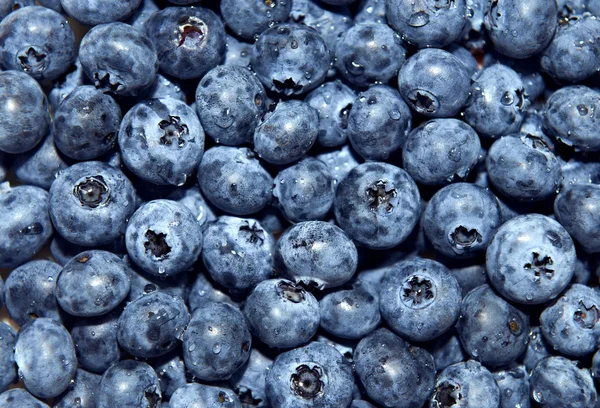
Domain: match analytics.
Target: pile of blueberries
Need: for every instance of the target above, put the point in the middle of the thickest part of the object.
(300, 203)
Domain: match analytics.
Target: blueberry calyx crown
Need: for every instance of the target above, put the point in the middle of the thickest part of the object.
(424, 101)
(191, 29)
(380, 196)
(152, 397)
(254, 233)
(542, 267)
(246, 398)
(306, 382)
(157, 245)
(291, 292)
(32, 60)
(287, 86)
(93, 192)
(586, 317)
(105, 83)
(447, 394)
(174, 129)
(417, 291)
(464, 237)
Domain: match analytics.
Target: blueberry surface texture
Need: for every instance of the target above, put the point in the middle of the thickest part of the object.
(129, 383)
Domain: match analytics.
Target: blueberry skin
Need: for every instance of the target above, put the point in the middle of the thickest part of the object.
(204, 396)
(29, 291)
(465, 56)
(249, 381)
(537, 349)
(287, 133)
(333, 102)
(290, 59)
(370, 10)
(40, 166)
(378, 123)
(237, 52)
(428, 23)
(304, 191)
(86, 123)
(171, 372)
(1, 292)
(95, 341)
(491, 330)
(446, 350)
(350, 313)
(164, 87)
(434, 83)
(189, 41)
(523, 168)
(216, 342)
(8, 6)
(233, 180)
(514, 387)
(193, 200)
(576, 171)
(394, 373)
(90, 203)
(142, 14)
(420, 299)
(81, 394)
(248, 19)
(151, 325)
(238, 253)
(361, 404)
(129, 383)
(316, 253)
(92, 284)
(315, 376)
(205, 290)
(570, 118)
(465, 385)
(571, 57)
(163, 238)
(37, 41)
(95, 12)
(573, 208)
(65, 84)
(26, 118)
(369, 53)
(469, 277)
(377, 205)
(534, 22)
(7, 356)
(570, 324)
(461, 219)
(162, 141)
(230, 102)
(441, 151)
(595, 368)
(329, 21)
(282, 314)
(19, 398)
(558, 382)
(26, 226)
(339, 161)
(498, 102)
(143, 283)
(119, 59)
(45, 356)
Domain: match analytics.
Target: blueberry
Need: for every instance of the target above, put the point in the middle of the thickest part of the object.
(570, 324)
(421, 87)
(420, 299)
(193, 200)
(339, 162)
(7, 357)
(595, 368)
(576, 171)
(8, 6)
(95, 341)
(352, 312)
(369, 53)
(537, 349)
(41, 165)
(514, 387)
(164, 87)
(446, 350)
(118, 58)
(491, 330)
(248, 19)
(189, 40)
(427, 23)
(161, 141)
(92, 284)
(572, 209)
(569, 117)
(65, 84)
(37, 41)
(142, 14)
(143, 283)
(238, 253)
(26, 119)
(45, 357)
(129, 383)
(290, 59)
(377, 205)
(230, 101)
(86, 123)
(370, 10)
(163, 238)
(282, 314)
(204, 291)
(465, 56)
(316, 253)
(216, 342)
(249, 381)
(441, 151)
(237, 52)
(315, 376)
(361, 404)
(378, 123)
(287, 133)
(25, 227)
(469, 277)
(19, 398)
(497, 102)
(80, 394)
(90, 203)
(394, 373)
(233, 180)
(171, 372)
(558, 382)
(305, 191)
(95, 12)
(204, 396)
(331, 22)
(465, 385)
